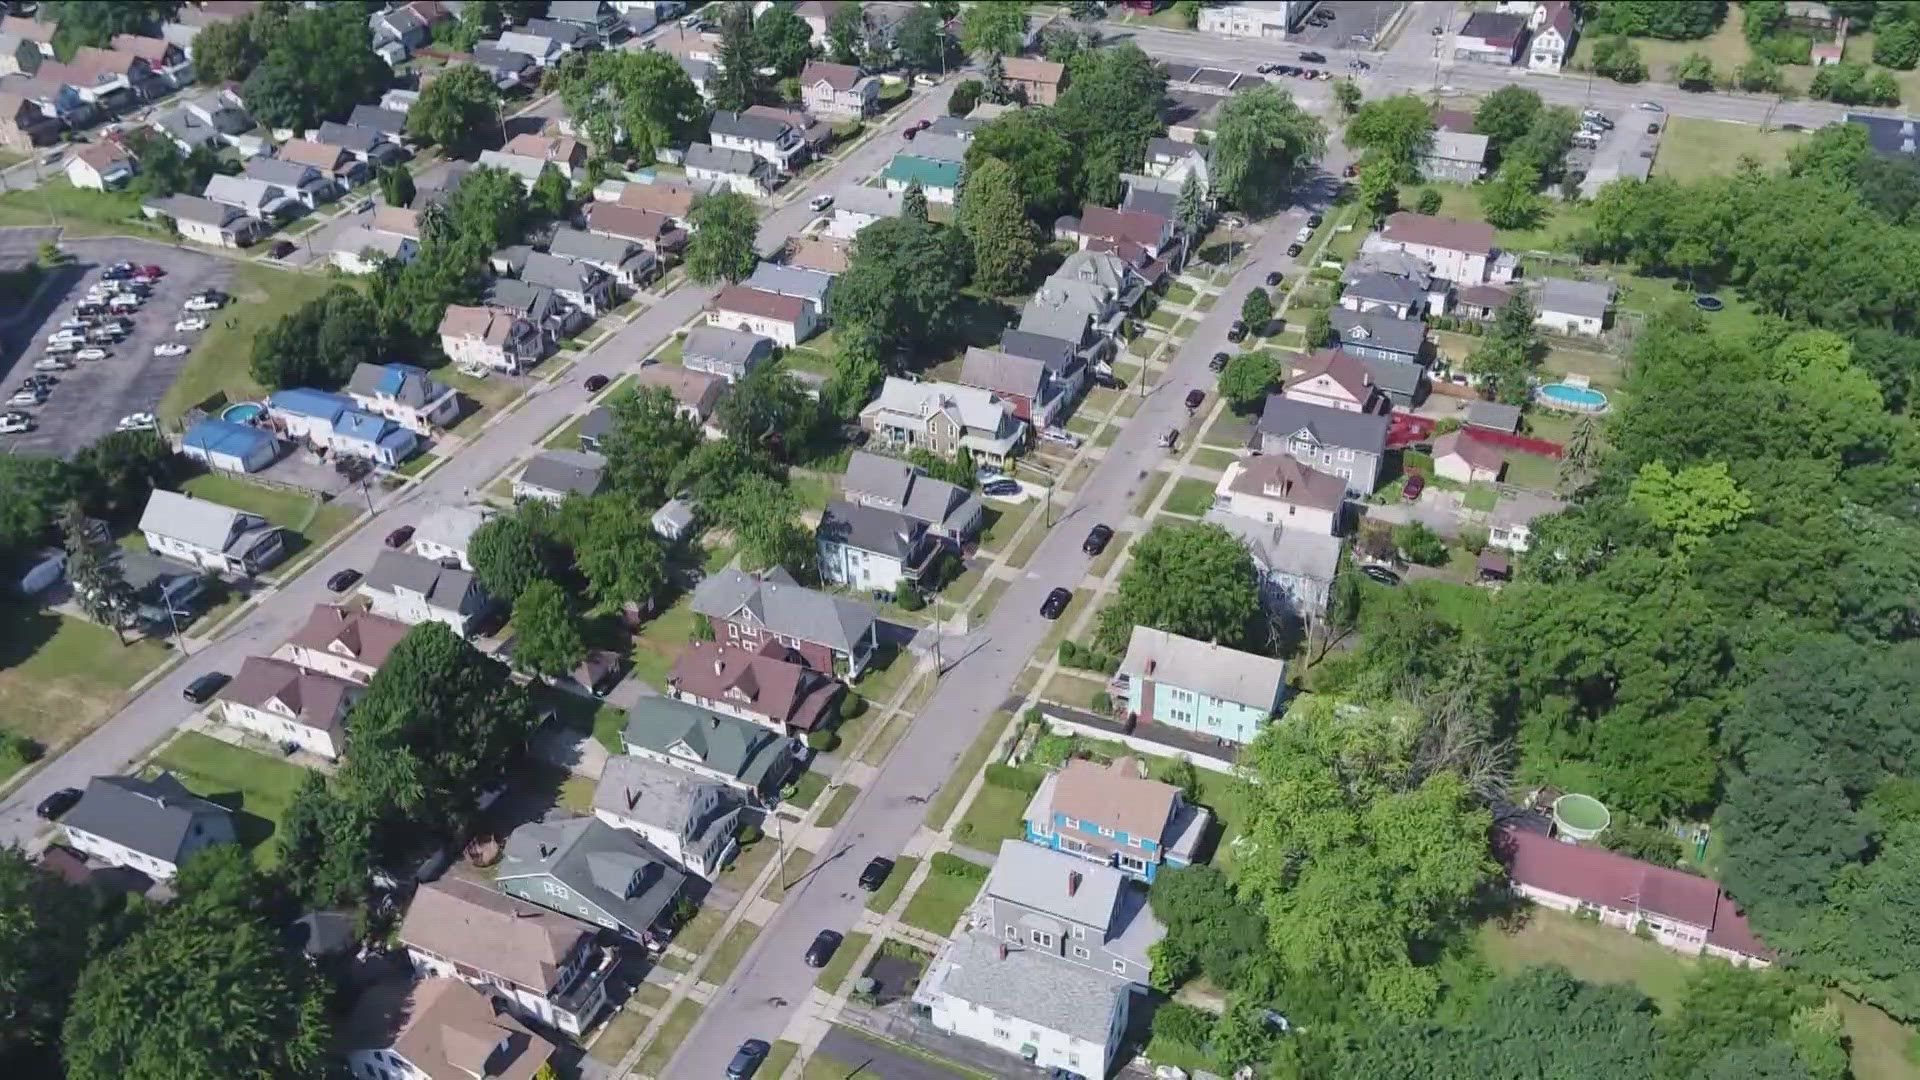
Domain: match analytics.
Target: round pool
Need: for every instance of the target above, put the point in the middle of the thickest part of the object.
(245, 412)
(1708, 303)
(1571, 398)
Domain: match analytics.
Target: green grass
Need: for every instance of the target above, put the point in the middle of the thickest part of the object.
(1180, 294)
(747, 863)
(938, 903)
(836, 971)
(1532, 471)
(805, 790)
(1481, 497)
(218, 363)
(617, 1036)
(1075, 691)
(813, 492)
(1036, 534)
(315, 521)
(994, 815)
(778, 1059)
(257, 788)
(837, 806)
(672, 1033)
(1164, 319)
(882, 898)
(940, 807)
(1002, 520)
(1107, 558)
(726, 955)
(78, 211)
(698, 933)
(1191, 496)
(662, 640)
(1148, 490)
(61, 675)
(1558, 224)
(1692, 148)
(798, 859)
(1592, 952)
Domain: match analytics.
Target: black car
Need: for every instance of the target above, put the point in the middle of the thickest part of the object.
(204, 687)
(1314, 220)
(1381, 574)
(398, 538)
(875, 875)
(747, 1059)
(1109, 380)
(1312, 58)
(1097, 539)
(58, 803)
(1004, 489)
(1293, 250)
(1219, 362)
(1194, 398)
(822, 949)
(596, 383)
(1237, 332)
(1274, 279)
(280, 249)
(1056, 603)
(343, 580)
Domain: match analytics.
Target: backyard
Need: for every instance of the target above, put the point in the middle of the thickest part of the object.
(948, 890)
(309, 517)
(1693, 148)
(79, 212)
(219, 362)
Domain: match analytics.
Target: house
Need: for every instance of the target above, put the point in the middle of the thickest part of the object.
(538, 304)
(508, 68)
(553, 475)
(1510, 526)
(675, 519)
(153, 826)
(546, 966)
(765, 685)
(1574, 307)
(370, 146)
(957, 127)
(1049, 966)
(691, 821)
(345, 169)
(562, 151)
(213, 121)
(1387, 294)
(830, 633)
(438, 1029)
(364, 249)
(695, 393)
(1378, 335)
(1022, 382)
(718, 747)
(1198, 686)
(730, 354)
(569, 37)
(1296, 566)
(1277, 490)
(868, 548)
(1491, 37)
(654, 233)
(666, 197)
(944, 418)
(1102, 228)
(59, 103)
(950, 511)
(736, 170)
(406, 395)
(205, 221)
(1039, 81)
(807, 285)
(1493, 416)
(1347, 444)
(939, 180)
(776, 142)
(345, 643)
(820, 254)
(229, 447)
(1460, 457)
(857, 206)
(838, 91)
(787, 320)
(208, 535)
(579, 283)
(409, 24)
(445, 533)
(935, 146)
(1336, 381)
(414, 590)
(1174, 161)
(1685, 913)
(596, 17)
(1113, 816)
(623, 261)
(110, 79)
(599, 874)
(23, 124)
(544, 51)
(1460, 157)
(32, 32)
(282, 702)
(101, 166)
(1461, 251)
(484, 339)
(330, 422)
(300, 181)
(256, 198)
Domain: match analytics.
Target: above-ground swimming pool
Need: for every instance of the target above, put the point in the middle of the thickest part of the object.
(1571, 398)
(245, 412)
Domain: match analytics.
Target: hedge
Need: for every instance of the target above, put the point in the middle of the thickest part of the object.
(946, 862)
(1001, 775)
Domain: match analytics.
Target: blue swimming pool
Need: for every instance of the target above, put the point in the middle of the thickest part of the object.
(1572, 398)
(245, 412)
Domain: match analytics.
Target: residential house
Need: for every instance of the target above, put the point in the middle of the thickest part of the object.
(390, 124)
(1296, 566)
(957, 127)
(857, 206)
(788, 320)
(409, 24)
(406, 395)
(57, 101)
(730, 354)
(1147, 195)
(32, 32)
(1335, 380)
(838, 91)
(437, 1029)
(24, 124)
(545, 51)
(483, 339)
(1114, 816)
(330, 422)
(205, 534)
(830, 633)
(214, 120)
(1039, 81)
(18, 56)
(696, 394)
(301, 181)
(546, 966)
(1174, 161)
(776, 142)
(1102, 228)
(508, 68)
(1460, 157)
(580, 283)
(164, 59)
(553, 475)
(949, 511)
(101, 166)
(1389, 294)
(570, 37)
(766, 685)
(1347, 444)
(414, 590)
(345, 643)
(1268, 21)
(1491, 37)
(1198, 686)
(1510, 527)
(718, 747)
(935, 146)
(623, 261)
(527, 169)
(669, 198)
(1082, 314)
(653, 232)
(1274, 489)
(1460, 457)
(190, 19)
(255, 198)
(445, 533)
(597, 17)
(675, 519)
(229, 447)
(1020, 381)
(400, 100)
(343, 168)
(1481, 302)
(739, 171)
(1061, 356)
(1372, 336)
(939, 180)
(599, 874)
(691, 821)
(944, 418)
(205, 221)
(1683, 912)
(869, 548)
(1461, 251)
(153, 826)
(807, 285)
(370, 146)
(108, 79)
(1554, 34)
(539, 304)
(1574, 307)
(284, 703)
(563, 151)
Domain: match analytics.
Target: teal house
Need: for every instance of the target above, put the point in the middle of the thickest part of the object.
(940, 180)
(1209, 690)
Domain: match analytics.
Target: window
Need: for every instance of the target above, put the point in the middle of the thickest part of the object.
(1079, 933)
(1073, 1059)
(1080, 953)
(1133, 841)
(1013, 933)
(1128, 862)
(1002, 1033)
(1071, 823)
(1119, 967)
(1041, 939)
(1105, 831)
(1346, 454)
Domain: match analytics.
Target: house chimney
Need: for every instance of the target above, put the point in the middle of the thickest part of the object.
(1073, 882)
(719, 666)
(1003, 950)
(1151, 665)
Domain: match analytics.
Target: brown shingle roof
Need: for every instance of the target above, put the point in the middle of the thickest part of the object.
(314, 698)
(628, 222)
(838, 76)
(1029, 69)
(151, 49)
(545, 147)
(662, 197)
(472, 925)
(1345, 370)
(1278, 476)
(397, 219)
(1114, 796)
(1132, 225)
(362, 635)
(303, 152)
(1480, 455)
(787, 309)
(695, 389)
(1406, 227)
(819, 254)
(445, 1028)
(102, 155)
(770, 685)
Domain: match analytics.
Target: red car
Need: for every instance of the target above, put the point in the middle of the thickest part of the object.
(1416, 483)
(917, 128)
(154, 271)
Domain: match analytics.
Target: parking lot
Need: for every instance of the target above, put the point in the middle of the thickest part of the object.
(1626, 150)
(91, 397)
(1350, 18)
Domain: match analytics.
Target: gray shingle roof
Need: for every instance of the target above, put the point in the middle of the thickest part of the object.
(203, 524)
(579, 244)
(717, 159)
(555, 272)
(1589, 299)
(349, 136)
(537, 301)
(869, 528)
(1335, 427)
(613, 869)
(1386, 288)
(153, 817)
(638, 789)
(728, 745)
(1058, 354)
(791, 281)
(1003, 373)
(287, 174)
(784, 606)
(1216, 670)
(565, 471)
(878, 476)
(1036, 877)
(1393, 376)
(871, 201)
(375, 118)
(729, 347)
(444, 587)
(747, 126)
(1031, 987)
(1378, 330)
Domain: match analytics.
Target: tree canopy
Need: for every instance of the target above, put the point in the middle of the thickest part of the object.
(993, 217)
(1263, 140)
(726, 229)
(637, 100)
(1397, 129)
(318, 65)
(904, 284)
(458, 111)
(1191, 579)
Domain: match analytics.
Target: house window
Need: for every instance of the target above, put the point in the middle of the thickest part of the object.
(1071, 823)
(1013, 933)
(1128, 862)
(1105, 831)
(1346, 454)
(1080, 953)
(1079, 933)
(1002, 1033)
(1041, 939)
(1119, 967)
(1133, 841)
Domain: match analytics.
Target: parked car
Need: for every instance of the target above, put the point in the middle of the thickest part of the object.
(875, 874)
(154, 271)
(140, 421)
(1060, 435)
(596, 383)
(824, 944)
(14, 423)
(51, 363)
(1001, 489)
(1109, 380)
(201, 303)
(1218, 363)
(57, 348)
(1274, 278)
(280, 249)
(1416, 483)
(1381, 574)
(189, 326)
(58, 803)
(1650, 106)
(819, 203)
(398, 538)
(343, 580)
(93, 353)
(1237, 332)
(747, 1059)
(1194, 398)
(1303, 234)
(1098, 538)
(1293, 250)
(1312, 58)
(169, 348)
(1055, 604)
(28, 396)
(204, 687)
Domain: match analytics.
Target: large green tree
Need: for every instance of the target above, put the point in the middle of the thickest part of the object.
(458, 111)
(619, 553)
(84, 22)
(321, 342)
(783, 41)
(1109, 110)
(1263, 141)
(1397, 129)
(1034, 145)
(997, 29)
(904, 285)
(44, 944)
(736, 82)
(1190, 579)
(546, 631)
(319, 64)
(649, 439)
(726, 229)
(993, 217)
(509, 553)
(639, 101)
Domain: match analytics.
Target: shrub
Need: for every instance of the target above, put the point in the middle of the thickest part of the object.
(17, 752)
(1420, 544)
(749, 834)
(1002, 775)
(910, 599)
(1183, 1024)
(1102, 702)
(1326, 273)
(946, 862)
(852, 706)
(1051, 748)
(1446, 425)
(823, 741)
(1474, 539)
(1428, 202)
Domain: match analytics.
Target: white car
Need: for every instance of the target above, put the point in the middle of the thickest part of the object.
(91, 354)
(51, 363)
(819, 203)
(201, 303)
(27, 397)
(1060, 435)
(188, 326)
(170, 348)
(14, 422)
(140, 421)
(55, 348)
(1650, 106)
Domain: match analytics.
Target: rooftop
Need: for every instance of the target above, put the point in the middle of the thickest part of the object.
(154, 817)
(1335, 427)
(1203, 667)
(476, 926)
(1406, 227)
(775, 600)
(1278, 476)
(729, 745)
(1029, 986)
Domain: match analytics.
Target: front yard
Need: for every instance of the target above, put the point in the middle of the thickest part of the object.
(311, 519)
(60, 676)
(256, 787)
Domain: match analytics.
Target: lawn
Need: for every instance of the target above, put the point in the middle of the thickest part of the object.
(805, 790)
(485, 396)
(661, 641)
(698, 933)
(940, 808)
(1558, 224)
(779, 1058)
(1105, 560)
(837, 806)
(1191, 496)
(1592, 952)
(1180, 294)
(1028, 544)
(1147, 492)
(1531, 471)
(672, 1033)
(1481, 497)
(835, 972)
(1075, 691)
(941, 899)
(315, 521)
(218, 363)
(257, 788)
(1727, 47)
(882, 898)
(994, 815)
(794, 872)
(1002, 520)
(79, 212)
(1229, 430)
(60, 676)
(617, 1036)
(1693, 148)
(726, 955)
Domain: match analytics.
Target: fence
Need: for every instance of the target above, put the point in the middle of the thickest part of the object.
(1062, 720)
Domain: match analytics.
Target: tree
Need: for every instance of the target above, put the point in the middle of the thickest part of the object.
(638, 99)
(164, 170)
(904, 285)
(649, 439)
(226, 51)
(1617, 58)
(762, 515)
(857, 376)
(783, 41)
(81, 23)
(1897, 45)
(321, 342)
(1510, 201)
(396, 185)
(509, 554)
(993, 30)
(1396, 129)
(1346, 94)
(1191, 579)
(548, 199)
(1191, 208)
(993, 216)
(1263, 140)
(913, 202)
(736, 80)
(620, 554)
(1506, 114)
(319, 64)
(457, 111)
(93, 567)
(1318, 327)
(846, 31)
(546, 632)
(1256, 310)
(1035, 147)
(1508, 353)
(921, 40)
(1379, 190)
(726, 230)
(1108, 112)
(1690, 505)
(1757, 75)
(966, 94)
(1248, 378)
(1674, 20)
(44, 943)
(116, 473)
(1429, 201)
(1419, 543)
(1694, 72)
(769, 411)
(35, 488)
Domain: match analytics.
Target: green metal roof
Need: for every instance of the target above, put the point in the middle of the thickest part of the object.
(909, 167)
(726, 744)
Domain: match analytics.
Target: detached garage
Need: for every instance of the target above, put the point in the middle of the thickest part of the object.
(230, 447)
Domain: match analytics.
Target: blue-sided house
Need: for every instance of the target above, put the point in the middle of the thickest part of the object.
(332, 422)
(1197, 686)
(1112, 815)
(230, 447)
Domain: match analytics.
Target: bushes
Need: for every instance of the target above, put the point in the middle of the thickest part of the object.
(1325, 273)
(1183, 1024)
(1102, 702)
(1005, 776)
(823, 741)
(953, 866)
(1086, 658)
(852, 706)
(910, 599)
(749, 834)
(16, 753)
(1420, 544)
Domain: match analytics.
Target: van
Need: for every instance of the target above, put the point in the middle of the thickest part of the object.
(1585, 139)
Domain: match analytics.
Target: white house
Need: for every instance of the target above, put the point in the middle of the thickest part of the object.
(1574, 307)
(363, 249)
(256, 198)
(1554, 34)
(838, 91)
(204, 221)
(553, 475)
(869, 547)
(1335, 380)
(406, 395)
(152, 826)
(857, 206)
(691, 821)
(776, 142)
(482, 339)
(332, 422)
(446, 532)
(345, 643)
(209, 535)
(1510, 527)
(283, 702)
(414, 590)
(1460, 251)
(736, 170)
(100, 166)
(788, 320)
(1274, 489)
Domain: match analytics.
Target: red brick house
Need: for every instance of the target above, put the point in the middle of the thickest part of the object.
(768, 685)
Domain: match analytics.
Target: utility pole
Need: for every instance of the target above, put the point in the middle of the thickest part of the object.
(780, 842)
